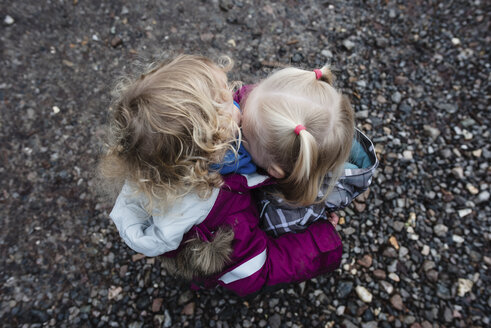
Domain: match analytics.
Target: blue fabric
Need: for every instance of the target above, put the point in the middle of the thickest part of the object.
(243, 164)
(358, 158)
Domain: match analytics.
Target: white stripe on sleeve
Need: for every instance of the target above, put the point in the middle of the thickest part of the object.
(246, 269)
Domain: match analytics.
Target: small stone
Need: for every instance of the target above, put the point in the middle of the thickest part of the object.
(344, 288)
(156, 304)
(359, 207)
(113, 292)
(477, 153)
(464, 212)
(326, 53)
(348, 231)
(455, 41)
(56, 109)
(362, 114)
(390, 252)
(431, 131)
(396, 302)
(426, 250)
(428, 265)
(393, 276)
(443, 292)
(447, 315)
(381, 99)
(458, 239)
(398, 226)
(340, 310)
(185, 297)
(440, 230)
(379, 274)
(400, 79)
(226, 5)
(8, 20)
(232, 43)
(137, 257)
(167, 319)
(407, 154)
(116, 41)
(275, 321)
(432, 275)
(396, 97)
(387, 286)
(464, 286)
(458, 172)
(189, 309)
(348, 44)
(393, 242)
(473, 190)
(365, 261)
(363, 294)
(483, 197)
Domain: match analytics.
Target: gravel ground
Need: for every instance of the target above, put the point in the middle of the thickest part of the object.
(417, 250)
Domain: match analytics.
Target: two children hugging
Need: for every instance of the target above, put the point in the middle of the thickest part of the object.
(232, 189)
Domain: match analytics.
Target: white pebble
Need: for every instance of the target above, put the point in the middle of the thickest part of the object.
(458, 239)
(56, 109)
(394, 277)
(8, 20)
(426, 250)
(464, 212)
(340, 310)
(455, 41)
(464, 286)
(363, 294)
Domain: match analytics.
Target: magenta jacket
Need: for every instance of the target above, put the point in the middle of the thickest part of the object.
(217, 241)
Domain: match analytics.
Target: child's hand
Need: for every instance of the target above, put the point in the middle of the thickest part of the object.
(333, 218)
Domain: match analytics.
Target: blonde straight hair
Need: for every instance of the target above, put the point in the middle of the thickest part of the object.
(292, 97)
(166, 127)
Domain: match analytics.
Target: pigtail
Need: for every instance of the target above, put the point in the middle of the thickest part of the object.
(304, 166)
(324, 74)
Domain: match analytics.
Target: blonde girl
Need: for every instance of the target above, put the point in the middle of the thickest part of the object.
(300, 130)
(168, 126)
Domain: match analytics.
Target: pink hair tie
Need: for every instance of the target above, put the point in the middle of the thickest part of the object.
(318, 73)
(299, 128)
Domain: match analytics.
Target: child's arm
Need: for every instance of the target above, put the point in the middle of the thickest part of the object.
(267, 261)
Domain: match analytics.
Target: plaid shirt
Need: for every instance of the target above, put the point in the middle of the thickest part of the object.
(277, 217)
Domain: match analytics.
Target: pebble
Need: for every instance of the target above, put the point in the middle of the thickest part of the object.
(396, 302)
(483, 197)
(458, 239)
(425, 251)
(379, 274)
(396, 97)
(344, 288)
(340, 310)
(464, 286)
(365, 261)
(464, 212)
(387, 286)
(458, 172)
(473, 190)
(440, 230)
(8, 20)
(363, 294)
(348, 44)
(393, 276)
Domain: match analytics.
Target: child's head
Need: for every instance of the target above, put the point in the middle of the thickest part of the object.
(168, 125)
(298, 128)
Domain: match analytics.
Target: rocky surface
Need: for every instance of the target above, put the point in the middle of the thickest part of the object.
(416, 251)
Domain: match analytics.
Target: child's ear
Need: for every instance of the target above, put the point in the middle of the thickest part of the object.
(276, 171)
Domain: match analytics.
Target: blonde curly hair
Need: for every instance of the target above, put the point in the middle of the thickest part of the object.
(167, 127)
